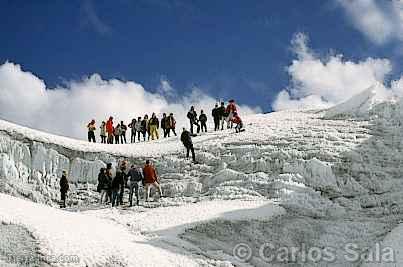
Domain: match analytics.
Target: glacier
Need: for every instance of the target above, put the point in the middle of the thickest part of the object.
(320, 178)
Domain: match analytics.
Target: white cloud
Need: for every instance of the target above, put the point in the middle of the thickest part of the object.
(165, 88)
(24, 99)
(380, 21)
(319, 83)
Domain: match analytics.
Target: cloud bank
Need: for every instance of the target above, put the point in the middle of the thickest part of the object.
(321, 83)
(379, 21)
(25, 99)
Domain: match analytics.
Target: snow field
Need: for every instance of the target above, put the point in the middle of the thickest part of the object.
(335, 175)
(98, 237)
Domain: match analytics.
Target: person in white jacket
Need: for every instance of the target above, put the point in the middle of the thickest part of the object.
(103, 132)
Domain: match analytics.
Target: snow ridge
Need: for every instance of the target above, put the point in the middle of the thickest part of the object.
(337, 176)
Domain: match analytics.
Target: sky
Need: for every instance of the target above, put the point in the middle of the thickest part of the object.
(168, 54)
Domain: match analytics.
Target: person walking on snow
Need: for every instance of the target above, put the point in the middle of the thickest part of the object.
(64, 188)
(91, 131)
(237, 120)
(103, 186)
(132, 126)
(216, 116)
(150, 180)
(103, 132)
(154, 125)
(221, 114)
(187, 142)
(144, 127)
(163, 124)
(171, 124)
(138, 128)
(110, 130)
(117, 183)
(230, 110)
(203, 121)
(117, 132)
(123, 169)
(192, 116)
(134, 176)
(123, 129)
(109, 178)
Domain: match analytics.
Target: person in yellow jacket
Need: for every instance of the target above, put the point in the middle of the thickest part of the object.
(154, 126)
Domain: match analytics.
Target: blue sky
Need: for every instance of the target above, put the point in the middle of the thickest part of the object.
(229, 48)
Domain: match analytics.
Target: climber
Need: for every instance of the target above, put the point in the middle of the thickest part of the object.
(103, 186)
(150, 180)
(230, 110)
(91, 131)
(203, 121)
(187, 142)
(103, 132)
(192, 116)
(134, 176)
(64, 188)
(238, 121)
(110, 130)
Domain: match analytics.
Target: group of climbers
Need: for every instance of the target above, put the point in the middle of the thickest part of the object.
(147, 128)
(227, 114)
(220, 115)
(112, 187)
(112, 184)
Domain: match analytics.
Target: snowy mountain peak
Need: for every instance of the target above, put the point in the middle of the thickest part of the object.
(361, 104)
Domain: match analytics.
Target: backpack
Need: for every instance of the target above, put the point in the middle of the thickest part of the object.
(136, 175)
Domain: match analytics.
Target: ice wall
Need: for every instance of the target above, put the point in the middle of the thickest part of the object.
(33, 169)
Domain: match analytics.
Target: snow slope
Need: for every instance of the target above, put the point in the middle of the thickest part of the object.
(99, 241)
(313, 179)
(361, 104)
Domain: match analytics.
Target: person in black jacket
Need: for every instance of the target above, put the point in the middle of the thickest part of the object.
(144, 127)
(187, 142)
(132, 126)
(222, 115)
(164, 124)
(64, 187)
(134, 176)
(103, 185)
(123, 169)
(117, 183)
(109, 178)
(192, 116)
(203, 121)
(216, 117)
(123, 129)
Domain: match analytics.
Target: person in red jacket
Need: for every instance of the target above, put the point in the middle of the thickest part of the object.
(230, 110)
(109, 130)
(238, 121)
(150, 180)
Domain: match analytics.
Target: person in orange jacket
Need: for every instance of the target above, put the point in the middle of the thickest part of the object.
(109, 130)
(150, 180)
(238, 121)
(230, 110)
